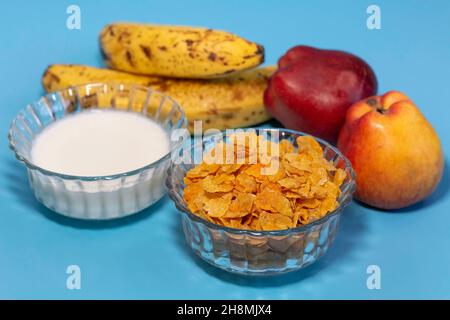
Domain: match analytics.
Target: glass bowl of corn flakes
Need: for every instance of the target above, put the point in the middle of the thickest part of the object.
(260, 201)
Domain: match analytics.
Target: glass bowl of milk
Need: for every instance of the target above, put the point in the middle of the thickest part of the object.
(98, 151)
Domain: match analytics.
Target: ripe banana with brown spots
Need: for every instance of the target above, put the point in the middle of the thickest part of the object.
(176, 51)
(230, 102)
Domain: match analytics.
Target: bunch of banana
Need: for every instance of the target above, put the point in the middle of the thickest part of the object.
(229, 102)
(210, 73)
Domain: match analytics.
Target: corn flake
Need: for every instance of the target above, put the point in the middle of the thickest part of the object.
(240, 194)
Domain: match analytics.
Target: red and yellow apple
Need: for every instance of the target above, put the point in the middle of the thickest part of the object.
(394, 150)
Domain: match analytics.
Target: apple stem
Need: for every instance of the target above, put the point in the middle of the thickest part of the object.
(381, 110)
(376, 105)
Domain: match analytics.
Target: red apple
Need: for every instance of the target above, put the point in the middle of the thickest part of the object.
(313, 88)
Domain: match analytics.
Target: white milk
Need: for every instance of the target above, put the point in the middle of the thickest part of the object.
(100, 143)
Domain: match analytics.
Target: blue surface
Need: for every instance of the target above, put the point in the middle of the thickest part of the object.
(145, 256)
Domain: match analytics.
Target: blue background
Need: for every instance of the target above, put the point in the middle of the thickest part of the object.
(145, 256)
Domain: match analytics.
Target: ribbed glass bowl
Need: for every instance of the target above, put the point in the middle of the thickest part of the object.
(97, 197)
(259, 252)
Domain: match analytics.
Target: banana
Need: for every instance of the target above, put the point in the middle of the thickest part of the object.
(231, 102)
(176, 51)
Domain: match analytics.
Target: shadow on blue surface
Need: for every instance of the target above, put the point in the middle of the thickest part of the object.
(351, 229)
(17, 183)
(439, 194)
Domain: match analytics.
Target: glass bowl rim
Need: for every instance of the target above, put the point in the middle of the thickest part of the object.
(30, 165)
(351, 189)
